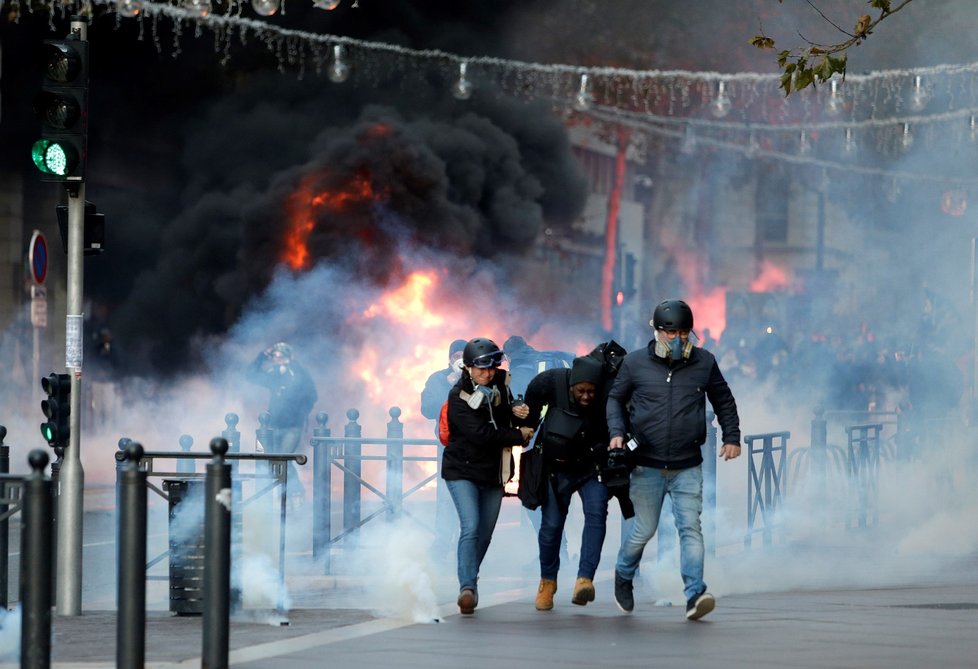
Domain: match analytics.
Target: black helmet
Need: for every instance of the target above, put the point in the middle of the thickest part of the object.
(481, 353)
(672, 315)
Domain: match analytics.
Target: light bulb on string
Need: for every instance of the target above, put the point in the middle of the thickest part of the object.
(201, 8)
(338, 70)
(462, 89)
(804, 144)
(751, 146)
(583, 99)
(906, 139)
(328, 5)
(129, 8)
(919, 97)
(834, 105)
(688, 145)
(849, 148)
(265, 7)
(720, 106)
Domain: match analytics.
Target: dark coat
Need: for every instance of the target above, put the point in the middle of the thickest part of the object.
(475, 444)
(293, 394)
(666, 406)
(590, 445)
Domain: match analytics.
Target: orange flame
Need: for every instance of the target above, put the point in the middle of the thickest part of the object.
(304, 207)
(771, 279)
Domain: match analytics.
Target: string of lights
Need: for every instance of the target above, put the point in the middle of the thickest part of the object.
(887, 107)
(689, 140)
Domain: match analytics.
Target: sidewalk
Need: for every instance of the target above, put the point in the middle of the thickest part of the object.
(893, 628)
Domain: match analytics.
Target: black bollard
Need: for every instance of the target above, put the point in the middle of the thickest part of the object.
(131, 557)
(186, 465)
(233, 437)
(321, 480)
(217, 558)
(35, 565)
(4, 524)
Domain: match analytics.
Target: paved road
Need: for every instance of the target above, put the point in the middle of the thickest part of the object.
(859, 608)
(892, 627)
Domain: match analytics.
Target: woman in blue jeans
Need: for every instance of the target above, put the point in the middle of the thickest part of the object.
(476, 464)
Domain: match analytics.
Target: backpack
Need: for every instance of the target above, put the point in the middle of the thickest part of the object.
(443, 433)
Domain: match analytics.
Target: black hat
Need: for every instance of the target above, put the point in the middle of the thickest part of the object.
(585, 369)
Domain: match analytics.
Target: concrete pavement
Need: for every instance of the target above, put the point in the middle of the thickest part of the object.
(912, 627)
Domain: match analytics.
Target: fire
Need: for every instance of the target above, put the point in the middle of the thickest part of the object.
(710, 311)
(407, 304)
(771, 279)
(307, 204)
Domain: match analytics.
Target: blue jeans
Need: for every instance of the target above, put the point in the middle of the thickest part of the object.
(648, 488)
(594, 499)
(477, 505)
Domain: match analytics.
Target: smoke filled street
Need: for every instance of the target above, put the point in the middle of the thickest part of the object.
(247, 244)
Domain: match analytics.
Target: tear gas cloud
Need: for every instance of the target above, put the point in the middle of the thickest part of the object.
(458, 197)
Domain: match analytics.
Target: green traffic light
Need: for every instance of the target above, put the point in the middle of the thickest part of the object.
(47, 431)
(52, 157)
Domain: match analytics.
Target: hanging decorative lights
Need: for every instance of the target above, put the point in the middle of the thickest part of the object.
(462, 89)
(583, 99)
(265, 7)
(339, 71)
(721, 103)
(834, 105)
(919, 96)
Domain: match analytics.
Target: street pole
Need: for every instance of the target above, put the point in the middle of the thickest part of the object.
(71, 479)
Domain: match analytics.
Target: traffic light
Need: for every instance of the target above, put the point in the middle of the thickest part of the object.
(57, 409)
(62, 107)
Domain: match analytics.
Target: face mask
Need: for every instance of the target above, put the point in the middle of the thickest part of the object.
(674, 350)
(481, 394)
(283, 369)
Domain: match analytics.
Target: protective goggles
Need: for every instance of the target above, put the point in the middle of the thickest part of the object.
(487, 360)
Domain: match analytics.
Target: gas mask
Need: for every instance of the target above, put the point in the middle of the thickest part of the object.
(283, 369)
(674, 350)
(482, 394)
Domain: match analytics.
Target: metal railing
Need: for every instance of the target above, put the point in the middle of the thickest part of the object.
(345, 454)
(766, 482)
(270, 474)
(864, 470)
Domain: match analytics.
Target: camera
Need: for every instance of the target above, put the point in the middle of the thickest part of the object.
(615, 471)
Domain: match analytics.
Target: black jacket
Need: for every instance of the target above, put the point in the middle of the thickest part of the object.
(475, 443)
(666, 406)
(293, 393)
(589, 447)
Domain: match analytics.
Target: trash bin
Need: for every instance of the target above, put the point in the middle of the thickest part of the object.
(186, 541)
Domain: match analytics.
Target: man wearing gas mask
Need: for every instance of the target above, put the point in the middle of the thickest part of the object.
(292, 395)
(659, 399)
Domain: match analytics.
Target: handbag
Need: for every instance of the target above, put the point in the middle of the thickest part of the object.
(533, 477)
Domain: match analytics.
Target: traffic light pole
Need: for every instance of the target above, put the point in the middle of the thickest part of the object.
(71, 478)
